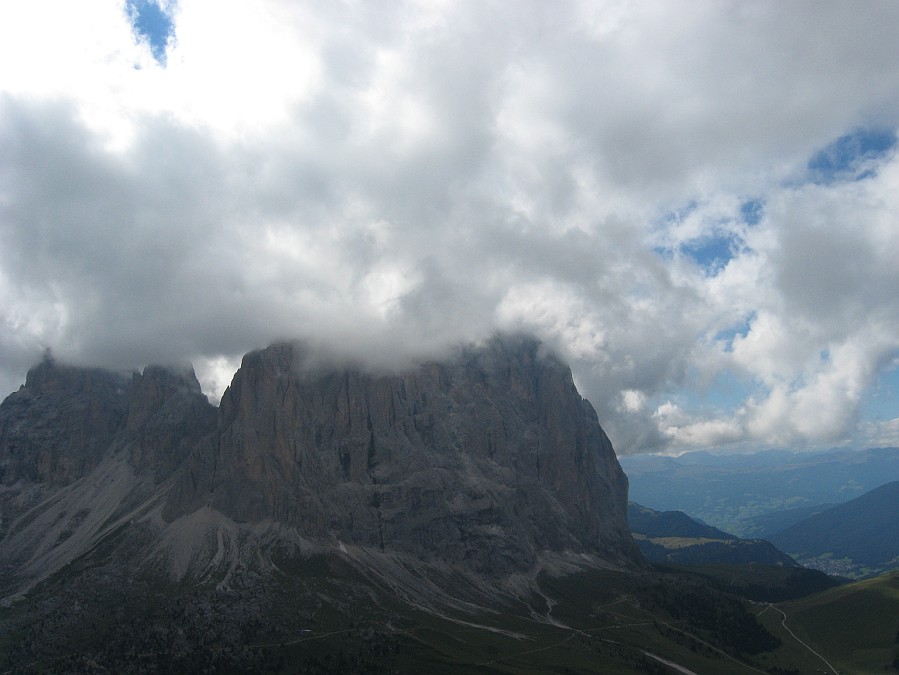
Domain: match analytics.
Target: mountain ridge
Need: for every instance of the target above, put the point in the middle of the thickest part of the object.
(735, 492)
(674, 537)
(858, 538)
(489, 462)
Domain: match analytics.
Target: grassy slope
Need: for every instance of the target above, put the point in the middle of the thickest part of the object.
(605, 621)
(758, 583)
(854, 626)
(324, 618)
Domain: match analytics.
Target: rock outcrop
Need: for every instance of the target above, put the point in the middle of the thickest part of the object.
(64, 420)
(60, 423)
(81, 448)
(168, 415)
(485, 459)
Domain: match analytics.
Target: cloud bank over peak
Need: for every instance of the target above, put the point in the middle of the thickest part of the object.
(694, 203)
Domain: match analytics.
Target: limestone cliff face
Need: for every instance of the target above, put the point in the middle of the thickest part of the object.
(64, 420)
(167, 416)
(80, 450)
(59, 424)
(484, 459)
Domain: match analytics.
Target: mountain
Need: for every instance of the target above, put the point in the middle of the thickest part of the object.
(768, 524)
(857, 539)
(674, 537)
(463, 515)
(83, 449)
(59, 425)
(732, 492)
(65, 422)
(650, 523)
(484, 461)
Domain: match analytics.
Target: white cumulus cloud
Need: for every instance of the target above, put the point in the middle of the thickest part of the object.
(630, 181)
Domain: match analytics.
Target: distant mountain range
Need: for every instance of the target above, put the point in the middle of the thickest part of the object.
(768, 524)
(758, 494)
(858, 539)
(674, 537)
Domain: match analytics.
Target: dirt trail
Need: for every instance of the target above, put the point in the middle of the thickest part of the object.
(795, 637)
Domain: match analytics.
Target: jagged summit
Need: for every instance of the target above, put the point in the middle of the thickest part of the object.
(64, 420)
(487, 462)
(58, 425)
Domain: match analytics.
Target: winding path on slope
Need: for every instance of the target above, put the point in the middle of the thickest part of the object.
(795, 637)
(671, 664)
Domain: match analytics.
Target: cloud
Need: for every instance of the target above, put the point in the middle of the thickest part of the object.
(647, 187)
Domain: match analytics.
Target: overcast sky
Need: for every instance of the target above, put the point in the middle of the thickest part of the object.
(696, 202)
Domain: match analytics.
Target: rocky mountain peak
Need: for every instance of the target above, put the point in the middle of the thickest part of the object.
(168, 414)
(154, 387)
(485, 458)
(65, 419)
(60, 422)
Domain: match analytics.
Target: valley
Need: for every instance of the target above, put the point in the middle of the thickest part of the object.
(831, 511)
(319, 615)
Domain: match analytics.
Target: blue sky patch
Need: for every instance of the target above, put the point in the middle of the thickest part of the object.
(880, 403)
(722, 396)
(710, 250)
(847, 157)
(151, 23)
(752, 211)
(713, 252)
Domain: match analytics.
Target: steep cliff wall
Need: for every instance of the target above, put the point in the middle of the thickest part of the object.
(484, 459)
(60, 423)
(64, 420)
